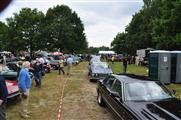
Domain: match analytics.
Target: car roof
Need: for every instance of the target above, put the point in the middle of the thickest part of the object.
(128, 78)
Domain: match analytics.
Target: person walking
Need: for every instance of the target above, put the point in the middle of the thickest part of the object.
(125, 63)
(61, 65)
(3, 98)
(24, 83)
(69, 65)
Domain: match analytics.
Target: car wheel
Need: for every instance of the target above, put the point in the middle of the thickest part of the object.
(53, 67)
(99, 99)
(47, 70)
(90, 79)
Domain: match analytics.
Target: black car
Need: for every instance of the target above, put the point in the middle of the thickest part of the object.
(8, 73)
(99, 70)
(134, 99)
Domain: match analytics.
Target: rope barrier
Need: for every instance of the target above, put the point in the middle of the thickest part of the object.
(61, 101)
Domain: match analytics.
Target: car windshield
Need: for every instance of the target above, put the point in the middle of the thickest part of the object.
(102, 65)
(147, 91)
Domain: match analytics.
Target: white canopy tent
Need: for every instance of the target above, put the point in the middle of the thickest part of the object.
(107, 53)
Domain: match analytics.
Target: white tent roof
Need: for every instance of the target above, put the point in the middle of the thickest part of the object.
(107, 52)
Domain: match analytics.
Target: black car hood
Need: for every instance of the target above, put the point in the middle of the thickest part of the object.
(101, 70)
(160, 110)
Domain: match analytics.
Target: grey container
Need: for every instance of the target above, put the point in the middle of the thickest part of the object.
(160, 66)
(176, 67)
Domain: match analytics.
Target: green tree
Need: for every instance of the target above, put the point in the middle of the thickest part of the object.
(119, 43)
(3, 36)
(166, 29)
(156, 25)
(65, 31)
(95, 50)
(24, 29)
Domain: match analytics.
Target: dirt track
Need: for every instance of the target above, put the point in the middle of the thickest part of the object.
(80, 98)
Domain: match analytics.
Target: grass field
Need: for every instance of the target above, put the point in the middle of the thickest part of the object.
(132, 68)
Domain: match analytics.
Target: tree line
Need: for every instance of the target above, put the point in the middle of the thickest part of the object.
(59, 29)
(157, 25)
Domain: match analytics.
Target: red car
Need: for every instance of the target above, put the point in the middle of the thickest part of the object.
(12, 87)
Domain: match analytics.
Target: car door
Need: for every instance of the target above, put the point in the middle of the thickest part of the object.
(107, 84)
(116, 101)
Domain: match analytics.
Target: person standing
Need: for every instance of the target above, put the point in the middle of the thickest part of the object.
(61, 65)
(4, 60)
(24, 83)
(37, 72)
(125, 63)
(3, 98)
(69, 65)
(112, 59)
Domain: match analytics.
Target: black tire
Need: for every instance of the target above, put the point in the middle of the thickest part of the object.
(47, 70)
(54, 67)
(99, 99)
(92, 80)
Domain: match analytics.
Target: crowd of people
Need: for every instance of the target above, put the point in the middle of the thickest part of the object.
(24, 82)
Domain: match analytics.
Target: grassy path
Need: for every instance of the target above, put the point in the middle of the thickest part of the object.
(80, 98)
(79, 102)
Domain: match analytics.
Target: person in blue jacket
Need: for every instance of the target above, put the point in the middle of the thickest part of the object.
(3, 98)
(24, 83)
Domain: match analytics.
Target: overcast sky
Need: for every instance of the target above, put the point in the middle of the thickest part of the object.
(102, 19)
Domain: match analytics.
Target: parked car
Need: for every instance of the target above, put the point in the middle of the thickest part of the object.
(11, 81)
(76, 59)
(13, 89)
(131, 98)
(99, 70)
(94, 58)
(8, 73)
(13, 68)
(53, 63)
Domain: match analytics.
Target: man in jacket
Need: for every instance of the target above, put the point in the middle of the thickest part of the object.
(69, 65)
(24, 83)
(37, 72)
(3, 96)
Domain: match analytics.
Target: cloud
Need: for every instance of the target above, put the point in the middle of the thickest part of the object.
(102, 19)
(103, 33)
